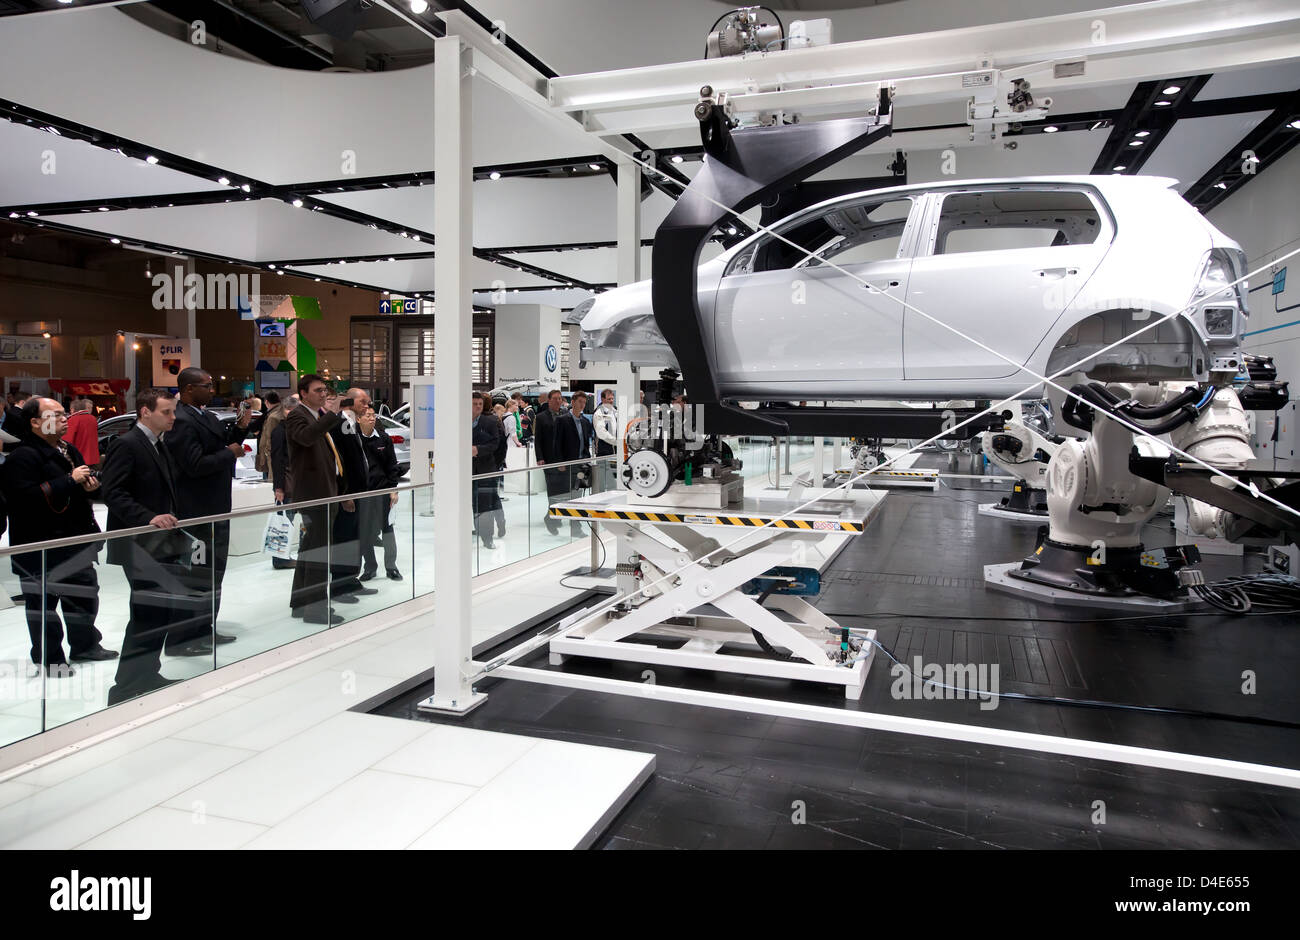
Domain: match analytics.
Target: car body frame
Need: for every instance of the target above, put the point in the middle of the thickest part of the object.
(1026, 277)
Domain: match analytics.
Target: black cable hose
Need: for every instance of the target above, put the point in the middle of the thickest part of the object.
(1102, 399)
(762, 640)
(1189, 396)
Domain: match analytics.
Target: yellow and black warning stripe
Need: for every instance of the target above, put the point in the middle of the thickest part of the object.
(882, 474)
(707, 518)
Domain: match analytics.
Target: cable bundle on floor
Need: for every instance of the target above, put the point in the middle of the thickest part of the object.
(1258, 593)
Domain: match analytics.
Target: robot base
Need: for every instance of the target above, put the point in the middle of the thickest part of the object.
(1024, 504)
(1072, 575)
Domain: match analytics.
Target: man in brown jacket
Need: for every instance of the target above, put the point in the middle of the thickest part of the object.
(316, 471)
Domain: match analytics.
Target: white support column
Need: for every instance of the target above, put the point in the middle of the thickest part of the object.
(819, 444)
(453, 231)
(629, 272)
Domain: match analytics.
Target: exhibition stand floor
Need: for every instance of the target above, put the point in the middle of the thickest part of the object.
(731, 779)
(285, 762)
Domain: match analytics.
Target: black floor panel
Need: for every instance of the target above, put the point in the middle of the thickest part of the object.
(728, 779)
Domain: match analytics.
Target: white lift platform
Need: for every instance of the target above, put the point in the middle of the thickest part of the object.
(701, 619)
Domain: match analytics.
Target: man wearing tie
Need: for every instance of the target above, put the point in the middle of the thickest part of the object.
(317, 473)
(204, 451)
(573, 438)
(345, 549)
(139, 483)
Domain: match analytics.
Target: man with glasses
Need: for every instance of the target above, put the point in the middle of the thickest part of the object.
(205, 450)
(47, 486)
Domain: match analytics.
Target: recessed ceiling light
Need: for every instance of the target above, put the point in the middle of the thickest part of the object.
(594, 166)
(13, 215)
(103, 208)
(1135, 143)
(494, 175)
(419, 6)
(116, 241)
(1220, 185)
(731, 231)
(677, 158)
(318, 279)
(416, 237)
(246, 188)
(151, 159)
(31, 215)
(392, 259)
(1142, 134)
(1172, 89)
(1294, 125)
(297, 203)
(1117, 169)
(223, 181)
(1163, 104)
(1050, 129)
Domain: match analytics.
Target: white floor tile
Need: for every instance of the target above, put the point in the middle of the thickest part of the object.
(458, 755)
(161, 828)
(270, 787)
(266, 721)
(550, 798)
(11, 792)
(373, 810)
(65, 815)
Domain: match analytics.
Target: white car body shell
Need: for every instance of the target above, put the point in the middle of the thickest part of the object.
(1012, 307)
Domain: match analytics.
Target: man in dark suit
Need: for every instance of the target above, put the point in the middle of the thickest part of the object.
(486, 439)
(204, 450)
(140, 489)
(317, 471)
(47, 487)
(345, 549)
(545, 430)
(573, 441)
(373, 510)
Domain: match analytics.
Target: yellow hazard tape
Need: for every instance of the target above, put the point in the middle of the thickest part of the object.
(629, 515)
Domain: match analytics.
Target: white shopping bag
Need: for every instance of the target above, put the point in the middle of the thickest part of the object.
(279, 537)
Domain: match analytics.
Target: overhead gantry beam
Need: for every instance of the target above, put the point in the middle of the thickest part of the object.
(1133, 43)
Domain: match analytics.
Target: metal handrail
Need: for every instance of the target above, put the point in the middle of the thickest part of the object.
(189, 523)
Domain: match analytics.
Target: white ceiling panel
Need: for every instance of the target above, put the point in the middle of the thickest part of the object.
(510, 212)
(565, 299)
(416, 274)
(255, 230)
(1282, 77)
(1193, 146)
(591, 265)
(37, 166)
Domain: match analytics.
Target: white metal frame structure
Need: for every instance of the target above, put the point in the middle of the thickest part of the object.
(705, 606)
(1136, 42)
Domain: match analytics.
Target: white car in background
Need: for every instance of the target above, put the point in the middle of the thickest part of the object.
(111, 428)
(1043, 272)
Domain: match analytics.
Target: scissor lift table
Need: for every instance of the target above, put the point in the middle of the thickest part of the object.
(700, 618)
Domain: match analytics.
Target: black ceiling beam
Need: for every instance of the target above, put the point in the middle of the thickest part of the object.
(1271, 139)
(1142, 116)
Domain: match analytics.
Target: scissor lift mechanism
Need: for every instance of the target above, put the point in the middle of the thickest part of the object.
(704, 605)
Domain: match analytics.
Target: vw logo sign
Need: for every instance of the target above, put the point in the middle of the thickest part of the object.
(551, 358)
